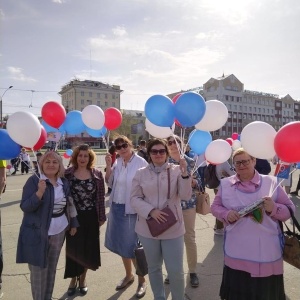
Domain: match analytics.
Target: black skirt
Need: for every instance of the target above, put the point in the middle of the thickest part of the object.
(83, 249)
(239, 285)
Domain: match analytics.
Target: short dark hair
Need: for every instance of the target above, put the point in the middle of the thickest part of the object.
(142, 143)
(154, 142)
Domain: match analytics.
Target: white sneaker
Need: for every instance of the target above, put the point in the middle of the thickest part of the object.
(219, 231)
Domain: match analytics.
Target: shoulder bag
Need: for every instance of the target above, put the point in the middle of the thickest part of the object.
(156, 228)
(203, 202)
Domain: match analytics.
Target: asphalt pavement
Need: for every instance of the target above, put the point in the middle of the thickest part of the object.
(102, 283)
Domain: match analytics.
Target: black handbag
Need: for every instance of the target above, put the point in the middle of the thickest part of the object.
(291, 250)
(140, 260)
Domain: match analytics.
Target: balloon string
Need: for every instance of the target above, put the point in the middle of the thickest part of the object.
(57, 143)
(197, 167)
(177, 145)
(105, 142)
(37, 163)
(29, 167)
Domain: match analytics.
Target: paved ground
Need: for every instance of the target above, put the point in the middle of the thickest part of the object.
(16, 284)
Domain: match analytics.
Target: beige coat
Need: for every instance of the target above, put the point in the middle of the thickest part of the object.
(150, 190)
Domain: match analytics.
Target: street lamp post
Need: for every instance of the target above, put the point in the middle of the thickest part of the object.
(1, 106)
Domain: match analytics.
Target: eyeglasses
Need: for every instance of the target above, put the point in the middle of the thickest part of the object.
(243, 162)
(170, 143)
(156, 151)
(119, 147)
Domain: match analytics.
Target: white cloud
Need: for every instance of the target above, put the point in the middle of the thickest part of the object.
(16, 73)
(119, 31)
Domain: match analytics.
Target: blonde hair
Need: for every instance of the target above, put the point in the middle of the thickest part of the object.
(92, 156)
(240, 151)
(55, 155)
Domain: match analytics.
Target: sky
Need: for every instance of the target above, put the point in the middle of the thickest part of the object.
(147, 47)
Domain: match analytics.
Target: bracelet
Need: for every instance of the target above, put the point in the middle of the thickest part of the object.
(185, 177)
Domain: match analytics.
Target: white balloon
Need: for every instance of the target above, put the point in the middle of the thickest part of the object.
(157, 131)
(93, 117)
(24, 128)
(216, 115)
(218, 151)
(236, 144)
(258, 139)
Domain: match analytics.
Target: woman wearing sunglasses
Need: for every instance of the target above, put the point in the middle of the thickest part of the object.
(121, 237)
(188, 209)
(253, 265)
(158, 185)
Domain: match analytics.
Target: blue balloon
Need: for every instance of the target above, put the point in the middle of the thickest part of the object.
(298, 165)
(8, 148)
(160, 111)
(62, 129)
(69, 152)
(73, 123)
(48, 128)
(96, 132)
(199, 140)
(190, 108)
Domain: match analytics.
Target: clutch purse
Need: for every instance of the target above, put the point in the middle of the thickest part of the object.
(156, 228)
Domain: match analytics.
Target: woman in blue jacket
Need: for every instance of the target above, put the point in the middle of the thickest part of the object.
(48, 211)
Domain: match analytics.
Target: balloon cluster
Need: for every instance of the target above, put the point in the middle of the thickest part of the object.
(24, 128)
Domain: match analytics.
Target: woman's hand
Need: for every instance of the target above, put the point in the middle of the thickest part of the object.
(158, 215)
(41, 189)
(194, 183)
(183, 167)
(268, 204)
(108, 160)
(73, 231)
(233, 216)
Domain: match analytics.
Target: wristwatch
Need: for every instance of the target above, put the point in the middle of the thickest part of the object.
(185, 177)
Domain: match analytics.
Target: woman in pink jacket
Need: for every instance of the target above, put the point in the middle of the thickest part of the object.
(253, 264)
(152, 190)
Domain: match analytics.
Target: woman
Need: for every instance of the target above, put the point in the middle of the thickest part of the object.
(253, 244)
(48, 209)
(120, 236)
(158, 185)
(188, 209)
(87, 188)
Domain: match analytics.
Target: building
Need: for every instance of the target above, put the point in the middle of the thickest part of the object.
(245, 106)
(77, 94)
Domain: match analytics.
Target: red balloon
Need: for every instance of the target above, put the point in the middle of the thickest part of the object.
(229, 141)
(42, 140)
(53, 114)
(235, 136)
(174, 99)
(66, 155)
(287, 142)
(113, 118)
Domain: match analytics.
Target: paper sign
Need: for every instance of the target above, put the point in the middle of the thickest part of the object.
(282, 171)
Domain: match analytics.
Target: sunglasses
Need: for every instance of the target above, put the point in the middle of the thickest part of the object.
(119, 147)
(160, 151)
(238, 163)
(170, 143)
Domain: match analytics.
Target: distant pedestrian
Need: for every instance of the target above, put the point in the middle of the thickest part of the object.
(15, 163)
(25, 161)
(143, 150)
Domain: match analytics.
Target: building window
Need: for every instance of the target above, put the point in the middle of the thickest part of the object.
(105, 103)
(113, 104)
(105, 96)
(82, 101)
(98, 103)
(250, 108)
(226, 97)
(90, 94)
(113, 96)
(98, 95)
(82, 93)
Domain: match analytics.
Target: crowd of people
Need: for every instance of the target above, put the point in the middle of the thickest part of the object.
(69, 204)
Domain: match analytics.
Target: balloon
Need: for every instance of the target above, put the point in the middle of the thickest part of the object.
(62, 129)
(298, 165)
(96, 132)
(229, 141)
(24, 128)
(160, 110)
(236, 144)
(113, 118)
(42, 140)
(287, 142)
(174, 99)
(199, 140)
(69, 152)
(8, 148)
(53, 113)
(218, 151)
(216, 115)
(8, 167)
(157, 131)
(258, 139)
(73, 123)
(189, 109)
(48, 128)
(66, 155)
(235, 136)
(93, 117)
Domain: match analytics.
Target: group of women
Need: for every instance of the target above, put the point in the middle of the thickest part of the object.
(74, 206)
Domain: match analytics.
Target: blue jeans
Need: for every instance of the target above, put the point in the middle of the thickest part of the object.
(171, 252)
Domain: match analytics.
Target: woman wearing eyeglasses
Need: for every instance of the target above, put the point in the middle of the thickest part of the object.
(253, 264)
(188, 209)
(120, 236)
(158, 185)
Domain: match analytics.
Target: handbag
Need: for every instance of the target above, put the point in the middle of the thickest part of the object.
(156, 228)
(291, 250)
(140, 261)
(202, 203)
